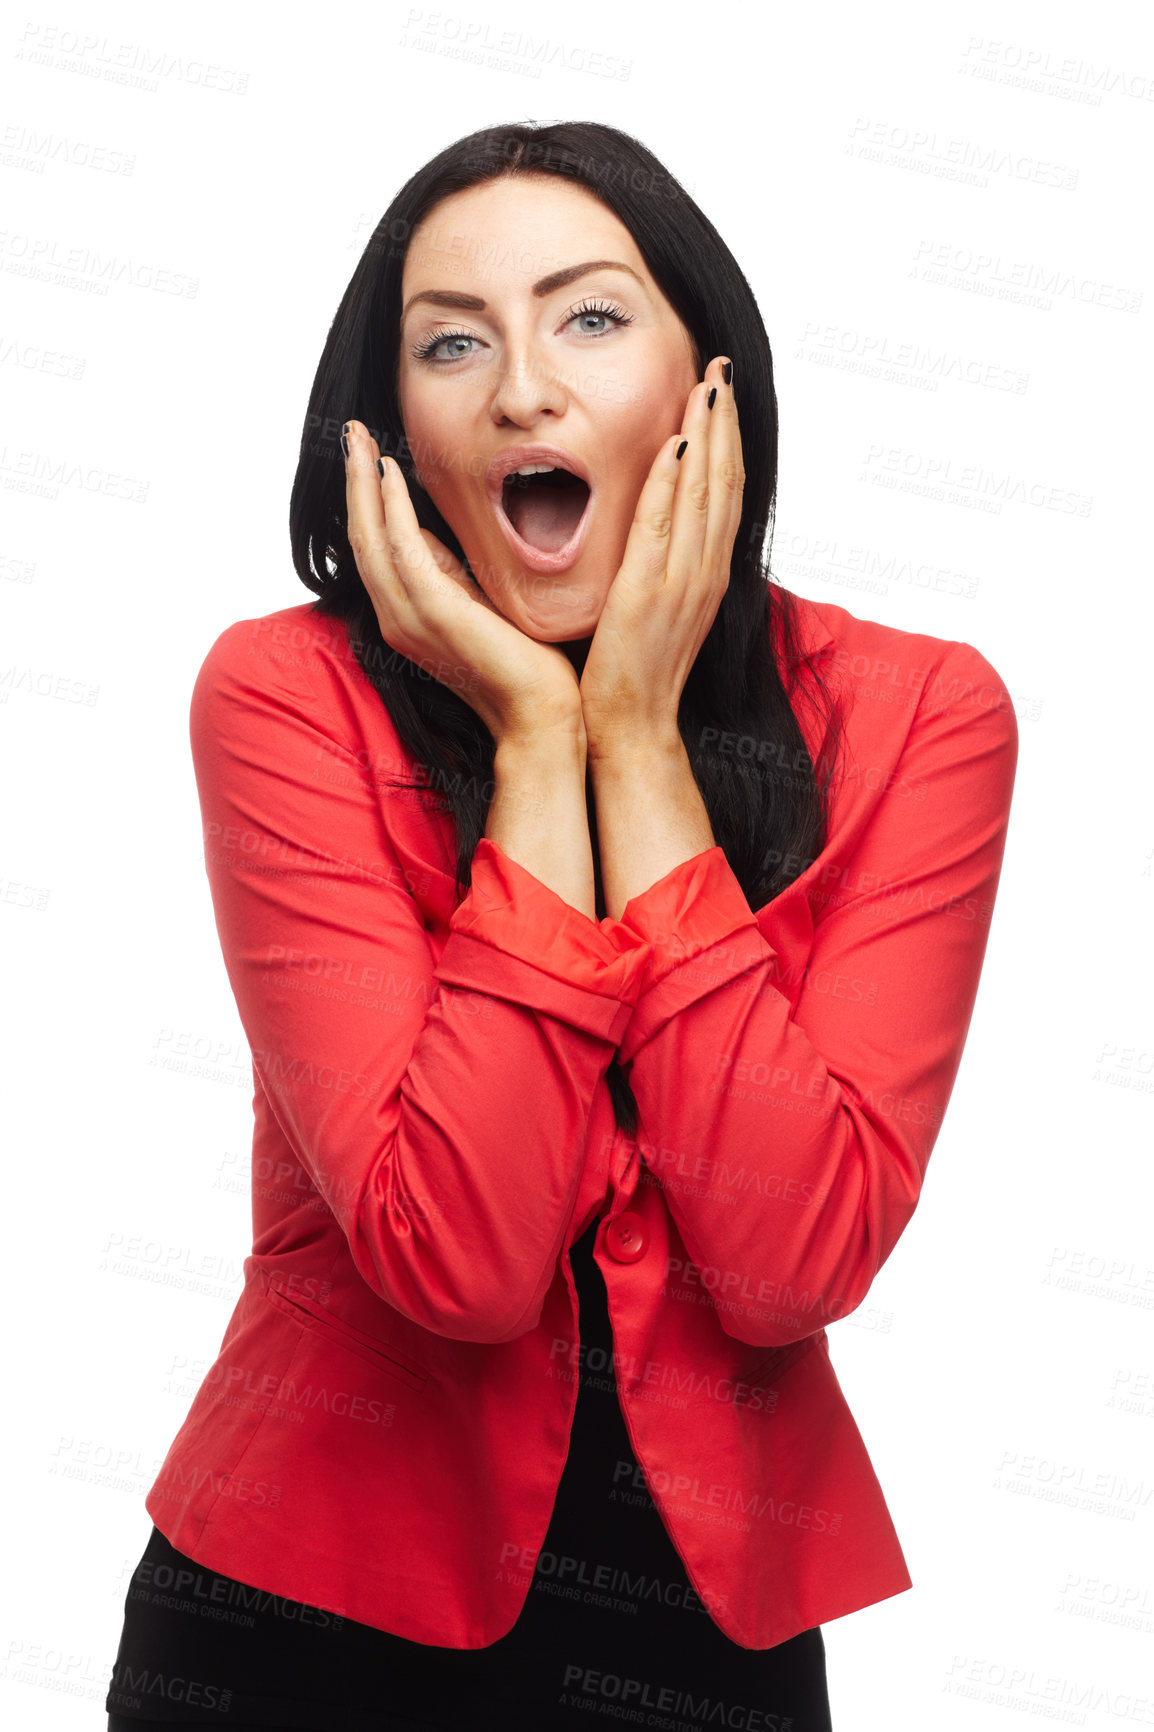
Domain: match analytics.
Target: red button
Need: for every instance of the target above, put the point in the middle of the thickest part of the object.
(627, 1238)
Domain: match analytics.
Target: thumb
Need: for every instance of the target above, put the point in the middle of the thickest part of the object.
(452, 568)
(442, 557)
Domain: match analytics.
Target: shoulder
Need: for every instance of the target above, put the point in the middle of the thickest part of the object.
(903, 672)
(293, 662)
(287, 648)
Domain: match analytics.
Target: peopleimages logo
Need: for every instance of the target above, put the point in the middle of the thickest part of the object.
(633, 1694)
(1025, 282)
(960, 159)
(130, 1687)
(217, 1591)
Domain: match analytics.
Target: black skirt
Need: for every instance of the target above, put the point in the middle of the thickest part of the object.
(611, 1628)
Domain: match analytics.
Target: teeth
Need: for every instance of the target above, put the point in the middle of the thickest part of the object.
(535, 469)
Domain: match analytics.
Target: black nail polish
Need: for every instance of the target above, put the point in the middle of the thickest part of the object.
(381, 467)
(712, 398)
(345, 428)
(727, 372)
(345, 447)
(680, 452)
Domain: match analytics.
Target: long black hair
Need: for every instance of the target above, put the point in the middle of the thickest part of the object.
(767, 800)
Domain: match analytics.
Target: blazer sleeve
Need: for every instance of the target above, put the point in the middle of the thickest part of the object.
(440, 1110)
(790, 1127)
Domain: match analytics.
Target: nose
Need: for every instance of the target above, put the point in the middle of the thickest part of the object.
(527, 386)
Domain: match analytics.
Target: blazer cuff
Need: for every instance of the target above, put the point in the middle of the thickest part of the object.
(701, 933)
(513, 937)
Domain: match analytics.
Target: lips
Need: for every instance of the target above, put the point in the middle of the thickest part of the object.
(544, 519)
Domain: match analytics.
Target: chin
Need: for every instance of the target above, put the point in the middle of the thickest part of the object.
(561, 625)
(558, 609)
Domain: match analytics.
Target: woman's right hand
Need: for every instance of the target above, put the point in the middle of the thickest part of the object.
(432, 611)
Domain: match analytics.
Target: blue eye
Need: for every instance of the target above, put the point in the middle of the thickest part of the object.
(598, 310)
(588, 309)
(424, 352)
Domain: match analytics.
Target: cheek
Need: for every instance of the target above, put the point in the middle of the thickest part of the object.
(425, 437)
(439, 446)
(631, 447)
(654, 412)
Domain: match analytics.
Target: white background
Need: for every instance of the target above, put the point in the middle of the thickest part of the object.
(1001, 1370)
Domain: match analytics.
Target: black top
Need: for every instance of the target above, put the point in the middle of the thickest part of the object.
(610, 1626)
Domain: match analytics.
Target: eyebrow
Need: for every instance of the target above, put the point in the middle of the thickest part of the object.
(546, 286)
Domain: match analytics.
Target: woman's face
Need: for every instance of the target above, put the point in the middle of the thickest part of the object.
(509, 360)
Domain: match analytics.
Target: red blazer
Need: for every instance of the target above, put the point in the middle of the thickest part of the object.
(384, 1428)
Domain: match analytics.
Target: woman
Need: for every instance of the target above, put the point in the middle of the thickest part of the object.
(606, 925)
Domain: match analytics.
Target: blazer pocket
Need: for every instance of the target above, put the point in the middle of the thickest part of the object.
(312, 1315)
(782, 1359)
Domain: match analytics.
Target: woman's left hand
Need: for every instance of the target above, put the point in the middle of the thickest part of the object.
(665, 597)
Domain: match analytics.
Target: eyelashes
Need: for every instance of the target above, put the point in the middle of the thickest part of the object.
(602, 309)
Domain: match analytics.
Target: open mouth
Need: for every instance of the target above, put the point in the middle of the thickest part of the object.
(545, 508)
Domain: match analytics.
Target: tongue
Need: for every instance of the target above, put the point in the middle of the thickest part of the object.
(546, 517)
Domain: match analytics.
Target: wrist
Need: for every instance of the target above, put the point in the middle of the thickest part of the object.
(628, 751)
(538, 814)
(561, 739)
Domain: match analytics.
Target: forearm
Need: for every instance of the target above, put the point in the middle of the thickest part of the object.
(650, 817)
(538, 815)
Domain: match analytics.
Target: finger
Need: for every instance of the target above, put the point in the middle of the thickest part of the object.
(439, 552)
(428, 573)
(452, 568)
(411, 560)
(448, 563)
(726, 476)
(365, 522)
(392, 542)
(647, 546)
(691, 502)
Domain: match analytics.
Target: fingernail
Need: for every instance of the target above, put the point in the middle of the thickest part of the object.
(345, 444)
(381, 467)
(727, 372)
(711, 399)
(680, 452)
